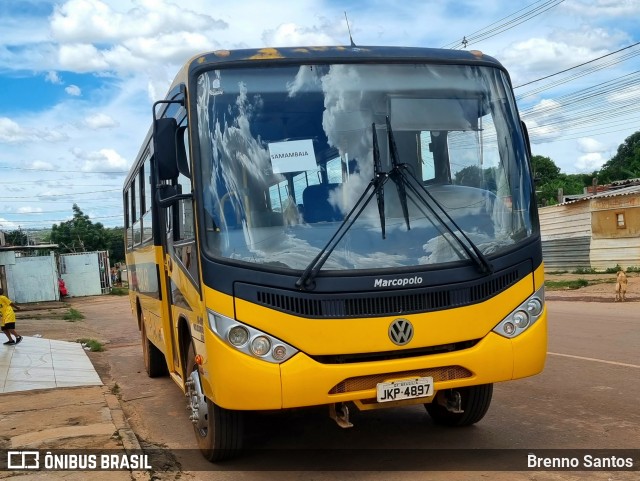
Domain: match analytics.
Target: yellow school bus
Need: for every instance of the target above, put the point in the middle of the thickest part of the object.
(352, 227)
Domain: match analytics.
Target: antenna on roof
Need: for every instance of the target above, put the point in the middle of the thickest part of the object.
(349, 29)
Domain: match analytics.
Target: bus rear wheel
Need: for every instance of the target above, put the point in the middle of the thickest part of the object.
(219, 431)
(154, 361)
(474, 404)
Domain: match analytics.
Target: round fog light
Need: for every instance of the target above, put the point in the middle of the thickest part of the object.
(521, 319)
(279, 353)
(238, 336)
(508, 328)
(260, 346)
(534, 306)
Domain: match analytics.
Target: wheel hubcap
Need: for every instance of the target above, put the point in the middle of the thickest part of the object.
(196, 403)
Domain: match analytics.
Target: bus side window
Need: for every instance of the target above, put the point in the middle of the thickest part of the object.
(426, 157)
(185, 215)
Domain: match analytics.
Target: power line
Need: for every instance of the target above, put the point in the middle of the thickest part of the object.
(579, 65)
(7, 199)
(487, 32)
(111, 172)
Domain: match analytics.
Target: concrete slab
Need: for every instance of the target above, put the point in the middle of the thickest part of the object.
(38, 363)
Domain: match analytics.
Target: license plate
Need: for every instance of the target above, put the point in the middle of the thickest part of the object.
(406, 389)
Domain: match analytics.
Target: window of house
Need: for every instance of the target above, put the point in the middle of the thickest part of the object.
(620, 220)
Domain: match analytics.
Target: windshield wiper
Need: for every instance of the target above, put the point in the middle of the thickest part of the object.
(377, 170)
(375, 187)
(396, 173)
(401, 176)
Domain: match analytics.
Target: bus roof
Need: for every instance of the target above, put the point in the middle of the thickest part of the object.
(334, 54)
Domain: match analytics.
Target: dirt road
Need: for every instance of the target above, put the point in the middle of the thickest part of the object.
(582, 400)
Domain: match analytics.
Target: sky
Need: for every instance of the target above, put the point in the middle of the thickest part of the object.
(78, 77)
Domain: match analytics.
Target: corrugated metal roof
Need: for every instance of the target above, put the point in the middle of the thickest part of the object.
(634, 189)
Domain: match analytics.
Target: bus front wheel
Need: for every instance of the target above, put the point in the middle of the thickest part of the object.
(218, 430)
(473, 402)
(154, 361)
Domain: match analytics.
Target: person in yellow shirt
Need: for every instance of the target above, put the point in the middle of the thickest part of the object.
(8, 319)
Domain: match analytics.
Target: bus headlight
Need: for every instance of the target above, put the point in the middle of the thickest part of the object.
(249, 340)
(260, 346)
(522, 317)
(238, 336)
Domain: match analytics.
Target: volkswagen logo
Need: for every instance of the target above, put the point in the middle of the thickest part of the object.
(400, 332)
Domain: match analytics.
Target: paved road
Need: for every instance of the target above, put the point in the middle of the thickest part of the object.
(585, 399)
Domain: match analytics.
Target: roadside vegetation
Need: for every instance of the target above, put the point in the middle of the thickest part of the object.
(563, 280)
(73, 315)
(568, 284)
(92, 344)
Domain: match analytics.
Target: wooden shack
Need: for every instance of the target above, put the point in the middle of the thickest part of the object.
(596, 231)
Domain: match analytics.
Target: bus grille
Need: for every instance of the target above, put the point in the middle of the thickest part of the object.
(372, 304)
(362, 383)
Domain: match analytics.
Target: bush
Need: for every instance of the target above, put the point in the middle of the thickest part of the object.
(92, 344)
(585, 270)
(613, 270)
(73, 315)
(574, 284)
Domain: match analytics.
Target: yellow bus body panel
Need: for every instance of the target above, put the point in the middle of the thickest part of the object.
(235, 380)
(365, 335)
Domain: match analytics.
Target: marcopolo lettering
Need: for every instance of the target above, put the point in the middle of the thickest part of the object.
(287, 155)
(404, 281)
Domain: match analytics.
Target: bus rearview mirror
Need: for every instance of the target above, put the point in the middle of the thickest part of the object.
(164, 146)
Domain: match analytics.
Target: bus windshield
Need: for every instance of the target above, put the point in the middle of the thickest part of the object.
(285, 153)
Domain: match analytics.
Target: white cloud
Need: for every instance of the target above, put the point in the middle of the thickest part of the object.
(103, 160)
(545, 56)
(73, 90)
(604, 8)
(29, 210)
(53, 77)
(290, 34)
(41, 165)
(7, 225)
(590, 162)
(542, 121)
(10, 131)
(81, 57)
(93, 36)
(625, 94)
(99, 121)
(94, 21)
(588, 145)
(52, 195)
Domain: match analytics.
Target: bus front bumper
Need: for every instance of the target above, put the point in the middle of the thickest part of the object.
(236, 381)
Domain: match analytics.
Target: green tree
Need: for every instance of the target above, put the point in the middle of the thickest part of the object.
(544, 169)
(625, 164)
(474, 176)
(16, 238)
(79, 234)
(115, 244)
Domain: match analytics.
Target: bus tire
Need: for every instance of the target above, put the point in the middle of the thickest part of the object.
(475, 404)
(154, 361)
(219, 431)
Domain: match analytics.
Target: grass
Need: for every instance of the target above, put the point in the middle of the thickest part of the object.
(92, 344)
(585, 270)
(119, 291)
(569, 284)
(73, 315)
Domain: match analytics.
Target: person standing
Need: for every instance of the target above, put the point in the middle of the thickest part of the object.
(8, 319)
